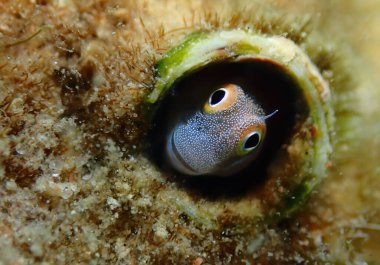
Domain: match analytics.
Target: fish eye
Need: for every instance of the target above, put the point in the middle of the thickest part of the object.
(221, 99)
(217, 97)
(251, 141)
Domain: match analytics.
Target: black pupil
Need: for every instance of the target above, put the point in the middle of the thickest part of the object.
(252, 141)
(217, 96)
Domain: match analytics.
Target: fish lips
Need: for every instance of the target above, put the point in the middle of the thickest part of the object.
(174, 158)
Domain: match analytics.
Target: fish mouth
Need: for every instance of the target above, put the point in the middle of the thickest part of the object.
(176, 160)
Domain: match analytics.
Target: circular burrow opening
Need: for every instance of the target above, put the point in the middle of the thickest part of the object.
(267, 83)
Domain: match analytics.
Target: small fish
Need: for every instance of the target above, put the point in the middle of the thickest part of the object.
(220, 139)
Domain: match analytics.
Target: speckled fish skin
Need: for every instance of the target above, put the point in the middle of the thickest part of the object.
(206, 143)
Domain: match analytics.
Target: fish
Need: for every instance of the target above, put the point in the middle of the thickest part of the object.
(220, 138)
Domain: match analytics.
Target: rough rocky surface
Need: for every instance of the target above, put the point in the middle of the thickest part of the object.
(76, 183)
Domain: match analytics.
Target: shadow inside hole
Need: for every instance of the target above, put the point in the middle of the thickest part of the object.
(269, 86)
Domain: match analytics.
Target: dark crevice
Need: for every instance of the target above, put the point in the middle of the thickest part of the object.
(271, 88)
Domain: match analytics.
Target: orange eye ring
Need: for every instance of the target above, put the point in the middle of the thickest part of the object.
(251, 139)
(221, 99)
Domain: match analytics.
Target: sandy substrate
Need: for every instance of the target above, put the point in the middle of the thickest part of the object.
(76, 183)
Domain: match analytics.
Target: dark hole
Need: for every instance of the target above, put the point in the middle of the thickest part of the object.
(252, 141)
(269, 86)
(217, 97)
